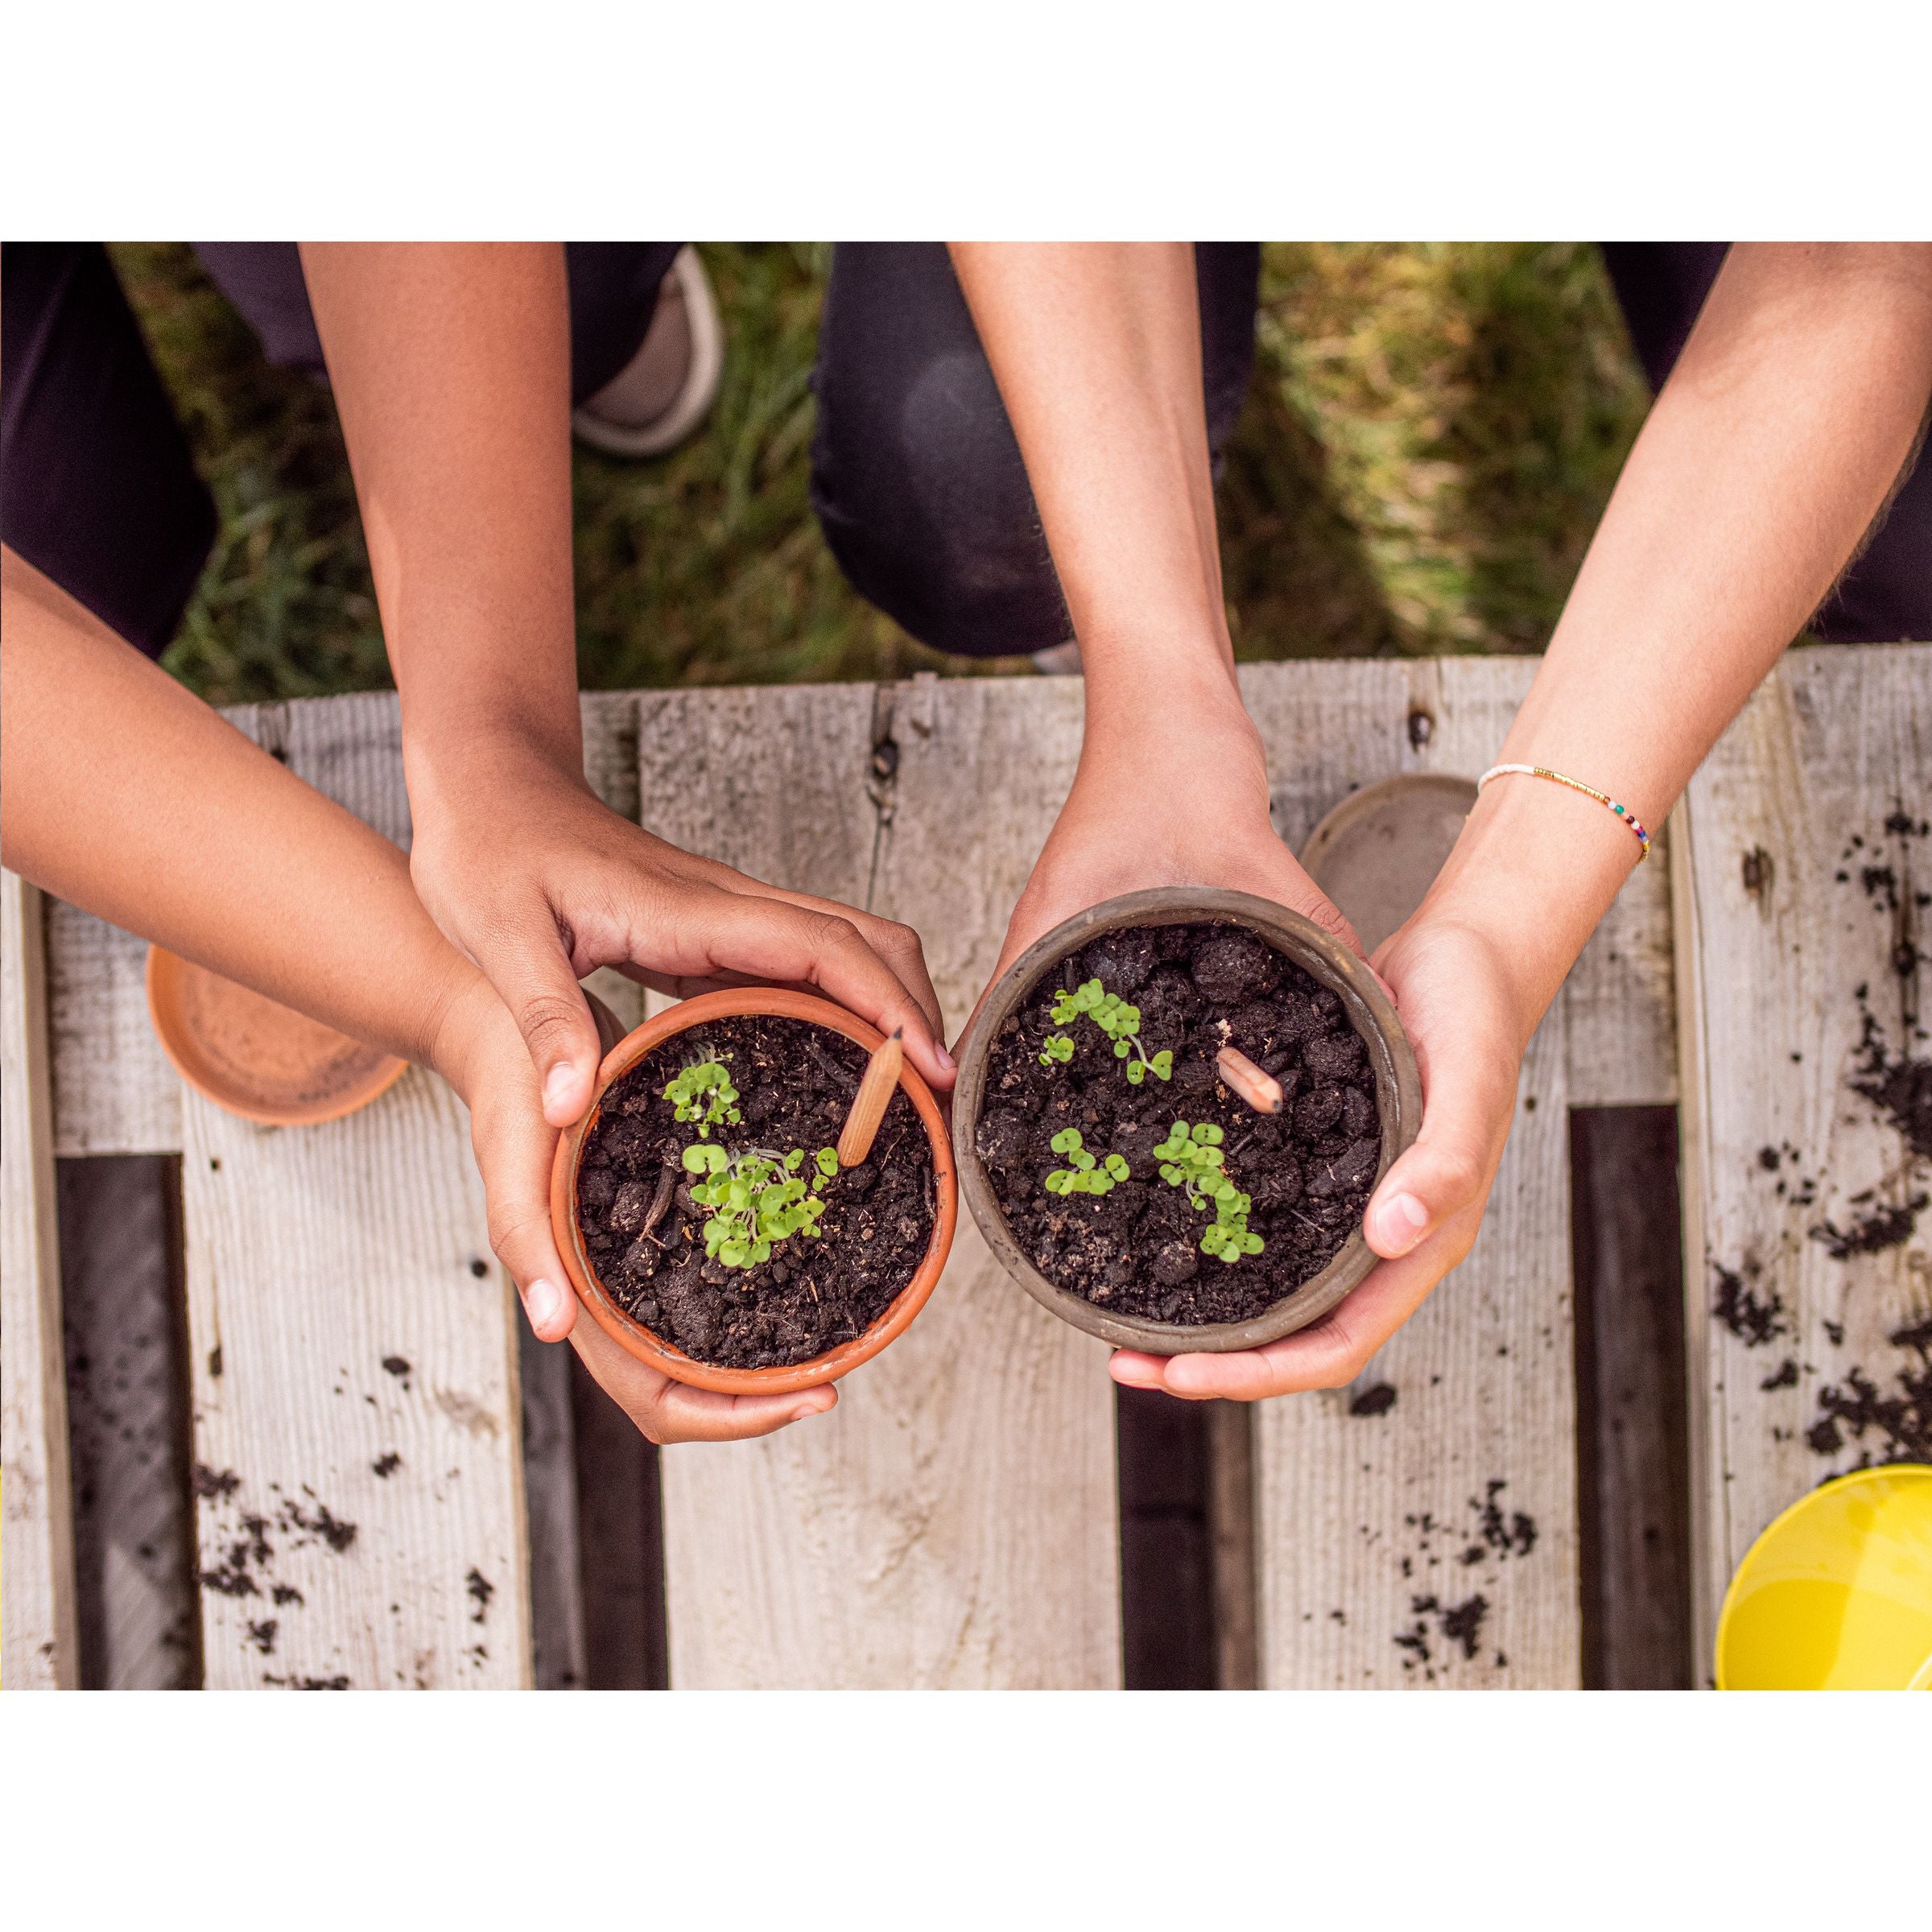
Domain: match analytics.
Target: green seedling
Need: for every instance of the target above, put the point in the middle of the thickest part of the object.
(1084, 1173)
(1119, 1022)
(1191, 1157)
(1056, 1047)
(756, 1197)
(703, 1092)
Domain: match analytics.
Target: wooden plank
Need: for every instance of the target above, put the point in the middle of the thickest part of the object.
(353, 1357)
(952, 1522)
(114, 1093)
(41, 1648)
(113, 1090)
(1777, 835)
(1434, 1542)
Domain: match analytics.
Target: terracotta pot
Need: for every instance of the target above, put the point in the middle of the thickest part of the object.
(1398, 1086)
(651, 1349)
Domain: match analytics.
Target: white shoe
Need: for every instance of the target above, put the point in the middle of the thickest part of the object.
(667, 388)
(1058, 660)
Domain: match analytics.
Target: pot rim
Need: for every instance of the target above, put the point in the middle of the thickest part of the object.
(1371, 1013)
(651, 1348)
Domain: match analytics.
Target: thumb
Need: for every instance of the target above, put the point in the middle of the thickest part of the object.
(1468, 1100)
(515, 1149)
(527, 1250)
(533, 978)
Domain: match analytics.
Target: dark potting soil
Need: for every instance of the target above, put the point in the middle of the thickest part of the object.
(645, 1235)
(1308, 1171)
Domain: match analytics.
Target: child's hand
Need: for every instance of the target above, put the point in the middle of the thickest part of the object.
(1469, 1025)
(479, 1052)
(1179, 800)
(538, 882)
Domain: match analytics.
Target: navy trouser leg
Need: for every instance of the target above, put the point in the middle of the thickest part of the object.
(916, 475)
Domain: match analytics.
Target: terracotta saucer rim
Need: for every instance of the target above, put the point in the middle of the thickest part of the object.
(171, 1029)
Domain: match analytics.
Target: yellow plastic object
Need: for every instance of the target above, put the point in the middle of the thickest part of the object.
(1837, 1594)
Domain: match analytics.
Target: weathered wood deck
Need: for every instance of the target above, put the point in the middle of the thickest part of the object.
(368, 1511)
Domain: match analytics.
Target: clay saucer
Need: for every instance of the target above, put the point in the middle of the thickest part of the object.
(254, 1057)
(1377, 853)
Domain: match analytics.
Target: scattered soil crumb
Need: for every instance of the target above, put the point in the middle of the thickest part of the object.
(1873, 1232)
(1458, 1623)
(1892, 1425)
(1753, 1319)
(480, 1591)
(1784, 1377)
(1378, 1399)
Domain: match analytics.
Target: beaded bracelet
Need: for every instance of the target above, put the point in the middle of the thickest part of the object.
(1589, 791)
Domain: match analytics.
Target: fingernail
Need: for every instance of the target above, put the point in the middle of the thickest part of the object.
(798, 1415)
(946, 1059)
(1402, 1222)
(543, 1302)
(558, 1083)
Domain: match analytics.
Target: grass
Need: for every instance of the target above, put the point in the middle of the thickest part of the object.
(1431, 435)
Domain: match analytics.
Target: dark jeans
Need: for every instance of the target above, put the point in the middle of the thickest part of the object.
(916, 475)
(915, 472)
(97, 489)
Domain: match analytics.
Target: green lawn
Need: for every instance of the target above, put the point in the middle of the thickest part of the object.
(1432, 433)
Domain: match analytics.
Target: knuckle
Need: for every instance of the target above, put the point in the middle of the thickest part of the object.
(1459, 1175)
(507, 1225)
(898, 939)
(827, 932)
(549, 1020)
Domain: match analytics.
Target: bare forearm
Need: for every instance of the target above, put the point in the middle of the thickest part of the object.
(452, 371)
(1773, 447)
(127, 796)
(1096, 349)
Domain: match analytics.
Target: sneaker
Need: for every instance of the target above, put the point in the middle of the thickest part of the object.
(667, 388)
(1058, 660)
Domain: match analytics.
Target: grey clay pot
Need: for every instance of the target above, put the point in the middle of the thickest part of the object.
(1398, 1094)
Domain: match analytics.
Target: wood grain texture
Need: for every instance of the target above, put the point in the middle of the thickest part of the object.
(952, 1523)
(1375, 1534)
(113, 1090)
(40, 1649)
(344, 1311)
(1782, 931)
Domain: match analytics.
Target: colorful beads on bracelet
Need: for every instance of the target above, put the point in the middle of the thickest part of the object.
(1589, 791)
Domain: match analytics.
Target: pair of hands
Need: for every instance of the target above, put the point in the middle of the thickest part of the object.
(1468, 1024)
(579, 888)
